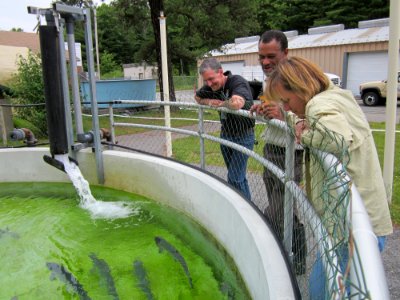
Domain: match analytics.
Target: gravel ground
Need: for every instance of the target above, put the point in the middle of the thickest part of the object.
(391, 262)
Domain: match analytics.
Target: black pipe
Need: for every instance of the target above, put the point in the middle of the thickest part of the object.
(56, 124)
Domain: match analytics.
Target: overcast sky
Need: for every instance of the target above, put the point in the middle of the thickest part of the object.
(14, 14)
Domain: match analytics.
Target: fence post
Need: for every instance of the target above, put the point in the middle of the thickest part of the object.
(93, 96)
(6, 124)
(288, 206)
(111, 117)
(201, 132)
(163, 37)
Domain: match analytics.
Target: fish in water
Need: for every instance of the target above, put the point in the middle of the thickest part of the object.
(105, 273)
(7, 231)
(141, 276)
(227, 290)
(58, 271)
(164, 245)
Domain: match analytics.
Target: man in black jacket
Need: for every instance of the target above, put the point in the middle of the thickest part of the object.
(222, 89)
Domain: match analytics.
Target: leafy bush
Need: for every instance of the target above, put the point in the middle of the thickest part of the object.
(28, 88)
(108, 63)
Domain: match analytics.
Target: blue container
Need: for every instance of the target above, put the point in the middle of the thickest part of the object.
(110, 90)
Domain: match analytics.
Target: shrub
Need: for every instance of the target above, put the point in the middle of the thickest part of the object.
(28, 88)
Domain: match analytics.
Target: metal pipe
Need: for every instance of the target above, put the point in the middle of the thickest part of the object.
(92, 92)
(288, 198)
(111, 116)
(88, 137)
(391, 100)
(367, 259)
(56, 123)
(74, 75)
(19, 134)
(65, 87)
(96, 41)
(201, 131)
(164, 71)
(367, 248)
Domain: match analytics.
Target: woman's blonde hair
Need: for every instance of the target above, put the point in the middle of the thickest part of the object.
(297, 75)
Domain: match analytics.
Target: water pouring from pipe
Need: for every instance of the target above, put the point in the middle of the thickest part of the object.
(97, 209)
(56, 123)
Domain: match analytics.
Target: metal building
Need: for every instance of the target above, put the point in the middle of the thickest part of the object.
(357, 55)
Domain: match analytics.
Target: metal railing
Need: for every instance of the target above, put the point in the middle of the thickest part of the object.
(367, 278)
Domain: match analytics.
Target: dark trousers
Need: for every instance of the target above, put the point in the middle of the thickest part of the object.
(236, 162)
(275, 188)
(276, 201)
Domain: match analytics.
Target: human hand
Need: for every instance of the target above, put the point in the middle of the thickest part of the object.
(215, 102)
(300, 127)
(270, 110)
(256, 108)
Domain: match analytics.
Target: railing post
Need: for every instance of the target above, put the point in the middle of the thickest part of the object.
(288, 205)
(92, 89)
(201, 132)
(111, 118)
(164, 65)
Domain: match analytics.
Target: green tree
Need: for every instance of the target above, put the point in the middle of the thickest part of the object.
(108, 63)
(272, 14)
(195, 27)
(303, 14)
(27, 85)
(117, 40)
(343, 12)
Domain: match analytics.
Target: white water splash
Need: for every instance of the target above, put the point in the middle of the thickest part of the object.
(97, 209)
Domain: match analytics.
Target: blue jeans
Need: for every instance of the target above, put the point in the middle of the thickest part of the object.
(236, 162)
(317, 281)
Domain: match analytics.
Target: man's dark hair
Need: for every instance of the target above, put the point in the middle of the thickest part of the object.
(277, 35)
(209, 63)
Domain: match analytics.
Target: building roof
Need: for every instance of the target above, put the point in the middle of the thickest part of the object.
(20, 39)
(367, 32)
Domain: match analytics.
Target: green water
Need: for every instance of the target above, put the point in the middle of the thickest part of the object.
(43, 231)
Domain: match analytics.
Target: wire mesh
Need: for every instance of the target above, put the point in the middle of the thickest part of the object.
(318, 239)
(322, 249)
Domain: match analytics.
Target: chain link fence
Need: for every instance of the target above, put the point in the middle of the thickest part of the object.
(281, 177)
(317, 237)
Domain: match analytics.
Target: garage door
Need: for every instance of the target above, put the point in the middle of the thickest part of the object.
(366, 66)
(236, 67)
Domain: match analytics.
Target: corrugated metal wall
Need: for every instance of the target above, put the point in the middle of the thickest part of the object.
(329, 58)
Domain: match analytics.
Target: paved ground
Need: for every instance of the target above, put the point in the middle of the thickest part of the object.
(377, 113)
(391, 255)
(391, 262)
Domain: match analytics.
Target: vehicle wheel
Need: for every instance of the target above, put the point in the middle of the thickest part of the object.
(371, 99)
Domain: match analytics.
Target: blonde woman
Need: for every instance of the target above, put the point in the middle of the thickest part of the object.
(327, 114)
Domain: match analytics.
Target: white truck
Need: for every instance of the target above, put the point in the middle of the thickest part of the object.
(374, 92)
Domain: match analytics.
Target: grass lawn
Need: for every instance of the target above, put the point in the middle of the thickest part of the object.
(379, 138)
(188, 149)
(153, 116)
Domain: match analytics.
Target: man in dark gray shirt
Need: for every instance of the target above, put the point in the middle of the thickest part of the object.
(222, 89)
